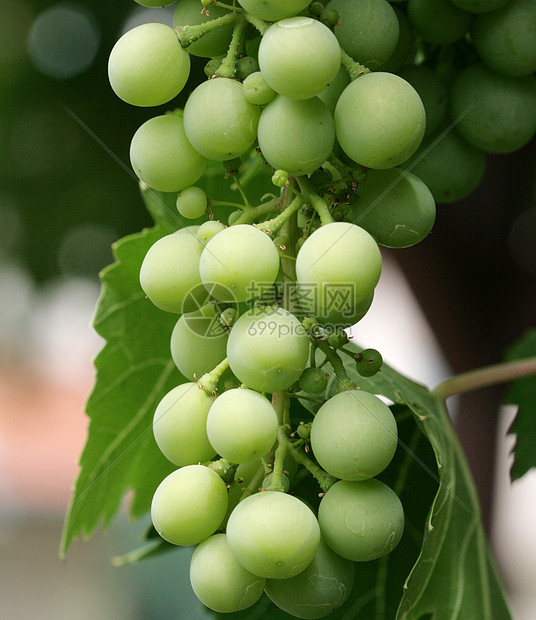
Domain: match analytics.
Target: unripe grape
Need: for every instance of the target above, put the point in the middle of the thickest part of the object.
(274, 9)
(239, 263)
(148, 66)
(369, 363)
(212, 66)
(379, 120)
(192, 202)
(280, 178)
(313, 380)
(268, 349)
(162, 157)
(219, 581)
(208, 230)
(228, 317)
(246, 66)
(242, 425)
(361, 521)
(354, 435)
(438, 21)
(198, 342)
(189, 505)
(299, 56)
(169, 274)
(257, 90)
(404, 46)
(219, 122)
(318, 590)
(273, 534)
(180, 425)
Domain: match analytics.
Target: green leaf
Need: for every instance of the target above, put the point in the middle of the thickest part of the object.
(523, 394)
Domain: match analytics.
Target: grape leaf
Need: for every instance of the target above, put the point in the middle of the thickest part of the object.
(523, 393)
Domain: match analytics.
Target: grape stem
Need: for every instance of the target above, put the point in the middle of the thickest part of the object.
(272, 227)
(228, 66)
(319, 205)
(259, 24)
(353, 68)
(484, 377)
(223, 468)
(254, 213)
(188, 34)
(324, 479)
(209, 381)
(343, 382)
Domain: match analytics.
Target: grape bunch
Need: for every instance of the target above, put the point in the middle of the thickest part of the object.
(363, 114)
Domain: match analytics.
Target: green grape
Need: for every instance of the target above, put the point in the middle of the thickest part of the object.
(354, 435)
(367, 30)
(431, 90)
(330, 95)
(361, 521)
(299, 57)
(371, 361)
(245, 66)
(169, 274)
(438, 21)
(337, 269)
(273, 534)
(239, 263)
(219, 581)
(242, 425)
(280, 178)
(316, 9)
(268, 349)
(313, 380)
(162, 157)
(211, 44)
(257, 90)
(404, 47)
(379, 120)
(272, 10)
(189, 505)
(329, 17)
(212, 66)
(198, 342)
(395, 207)
(506, 39)
(208, 230)
(296, 135)
(148, 66)
(180, 425)
(228, 317)
(155, 3)
(192, 202)
(218, 121)
(318, 590)
(450, 168)
(496, 113)
(480, 6)
(234, 216)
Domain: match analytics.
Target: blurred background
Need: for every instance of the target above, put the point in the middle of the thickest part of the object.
(452, 303)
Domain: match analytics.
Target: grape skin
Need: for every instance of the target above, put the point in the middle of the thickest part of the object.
(299, 56)
(242, 425)
(170, 271)
(496, 113)
(162, 157)
(219, 581)
(218, 121)
(268, 349)
(239, 263)
(148, 66)
(180, 425)
(272, 10)
(192, 202)
(338, 254)
(367, 30)
(395, 207)
(361, 521)
(189, 505)
(197, 345)
(273, 534)
(296, 136)
(379, 120)
(318, 590)
(354, 435)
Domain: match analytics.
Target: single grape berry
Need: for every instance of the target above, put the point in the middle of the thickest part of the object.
(329, 17)
(313, 380)
(246, 66)
(280, 178)
(228, 317)
(316, 9)
(370, 362)
(209, 229)
(192, 202)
